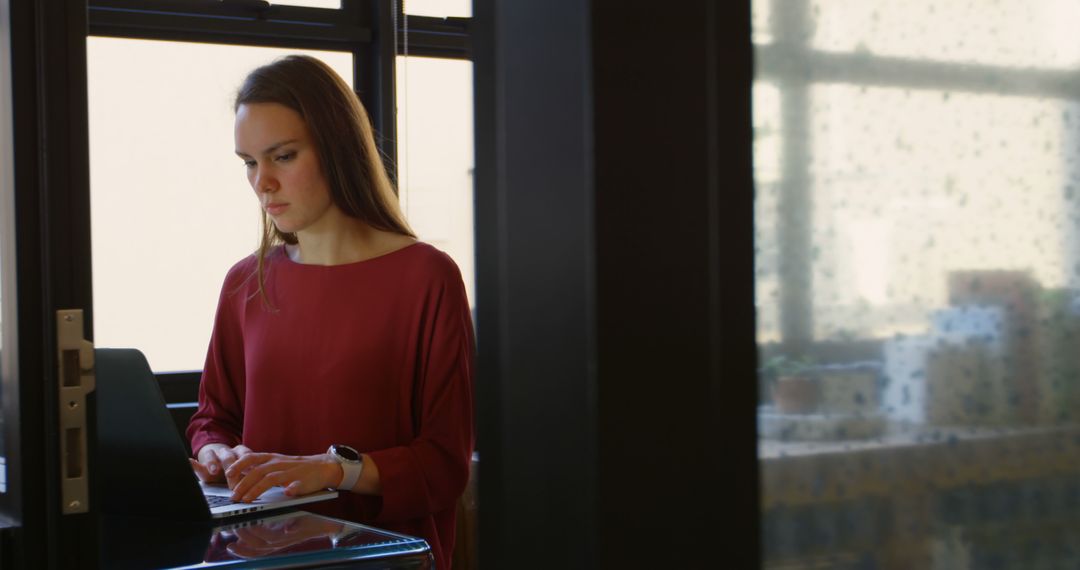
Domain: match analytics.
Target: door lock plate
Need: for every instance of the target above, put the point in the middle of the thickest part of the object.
(76, 380)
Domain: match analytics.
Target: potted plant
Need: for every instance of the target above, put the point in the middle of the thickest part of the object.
(793, 385)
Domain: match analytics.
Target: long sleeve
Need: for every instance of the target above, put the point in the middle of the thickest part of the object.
(220, 416)
(377, 355)
(430, 473)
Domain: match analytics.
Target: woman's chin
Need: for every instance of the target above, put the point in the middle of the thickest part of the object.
(285, 228)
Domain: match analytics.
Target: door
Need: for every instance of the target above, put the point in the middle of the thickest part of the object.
(44, 269)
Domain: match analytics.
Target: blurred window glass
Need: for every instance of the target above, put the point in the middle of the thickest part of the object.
(917, 229)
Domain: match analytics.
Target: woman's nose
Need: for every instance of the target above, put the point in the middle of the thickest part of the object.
(264, 181)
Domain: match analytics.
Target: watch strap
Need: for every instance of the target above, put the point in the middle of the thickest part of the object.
(351, 475)
(351, 470)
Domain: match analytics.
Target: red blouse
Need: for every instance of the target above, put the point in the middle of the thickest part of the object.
(375, 354)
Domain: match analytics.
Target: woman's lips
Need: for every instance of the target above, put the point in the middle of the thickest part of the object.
(275, 209)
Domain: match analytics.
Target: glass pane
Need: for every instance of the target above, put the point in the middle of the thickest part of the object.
(439, 8)
(171, 206)
(1011, 33)
(335, 4)
(435, 155)
(917, 227)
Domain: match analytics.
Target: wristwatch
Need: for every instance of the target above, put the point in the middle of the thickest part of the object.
(352, 464)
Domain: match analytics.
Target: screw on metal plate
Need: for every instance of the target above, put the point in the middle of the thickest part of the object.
(68, 318)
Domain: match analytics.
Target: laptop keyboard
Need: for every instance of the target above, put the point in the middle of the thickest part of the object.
(218, 501)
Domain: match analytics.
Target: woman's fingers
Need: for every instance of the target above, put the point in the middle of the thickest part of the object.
(226, 456)
(238, 470)
(256, 473)
(215, 460)
(208, 457)
(202, 472)
(294, 489)
(248, 470)
(303, 481)
(259, 484)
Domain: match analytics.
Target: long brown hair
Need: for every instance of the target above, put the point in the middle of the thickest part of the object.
(344, 141)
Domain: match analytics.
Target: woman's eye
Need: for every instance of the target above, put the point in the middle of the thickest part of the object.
(285, 157)
(249, 163)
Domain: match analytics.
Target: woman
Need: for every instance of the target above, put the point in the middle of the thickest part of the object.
(343, 333)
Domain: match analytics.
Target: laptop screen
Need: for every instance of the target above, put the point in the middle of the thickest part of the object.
(141, 465)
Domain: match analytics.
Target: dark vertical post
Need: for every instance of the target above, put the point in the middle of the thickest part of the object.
(731, 315)
(10, 501)
(614, 209)
(535, 307)
(53, 262)
(375, 80)
(674, 285)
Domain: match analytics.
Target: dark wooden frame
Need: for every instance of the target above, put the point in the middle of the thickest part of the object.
(615, 314)
(52, 269)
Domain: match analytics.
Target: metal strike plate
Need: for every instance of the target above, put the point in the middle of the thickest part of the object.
(76, 379)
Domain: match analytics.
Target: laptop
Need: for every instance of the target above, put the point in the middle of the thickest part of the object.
(142, 464)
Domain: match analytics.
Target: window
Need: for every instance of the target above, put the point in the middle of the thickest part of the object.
(918, 282)
(438, 8)
(435, 155)
(171, 208)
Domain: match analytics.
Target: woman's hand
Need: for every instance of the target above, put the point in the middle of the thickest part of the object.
(255, 473)
(214, 459)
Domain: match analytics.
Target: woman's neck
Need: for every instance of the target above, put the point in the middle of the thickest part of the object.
(348, 241)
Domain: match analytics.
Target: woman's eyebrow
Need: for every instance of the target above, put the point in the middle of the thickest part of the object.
(271, 148)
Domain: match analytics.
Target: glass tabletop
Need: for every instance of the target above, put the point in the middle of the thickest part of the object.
(292, 540)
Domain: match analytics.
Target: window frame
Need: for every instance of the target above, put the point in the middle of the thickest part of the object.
(427, 36)
(10, 412)
(431, 36)
(51, 273)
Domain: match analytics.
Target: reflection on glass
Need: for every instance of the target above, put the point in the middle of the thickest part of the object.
(273, 539)
(294, 539)
(171, 206)
(917, 234)
(435, 155)
(292, 533)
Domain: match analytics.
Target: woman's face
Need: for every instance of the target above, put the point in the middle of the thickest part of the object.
(283, 166)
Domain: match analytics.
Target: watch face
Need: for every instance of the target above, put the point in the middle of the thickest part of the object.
(347, 453)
